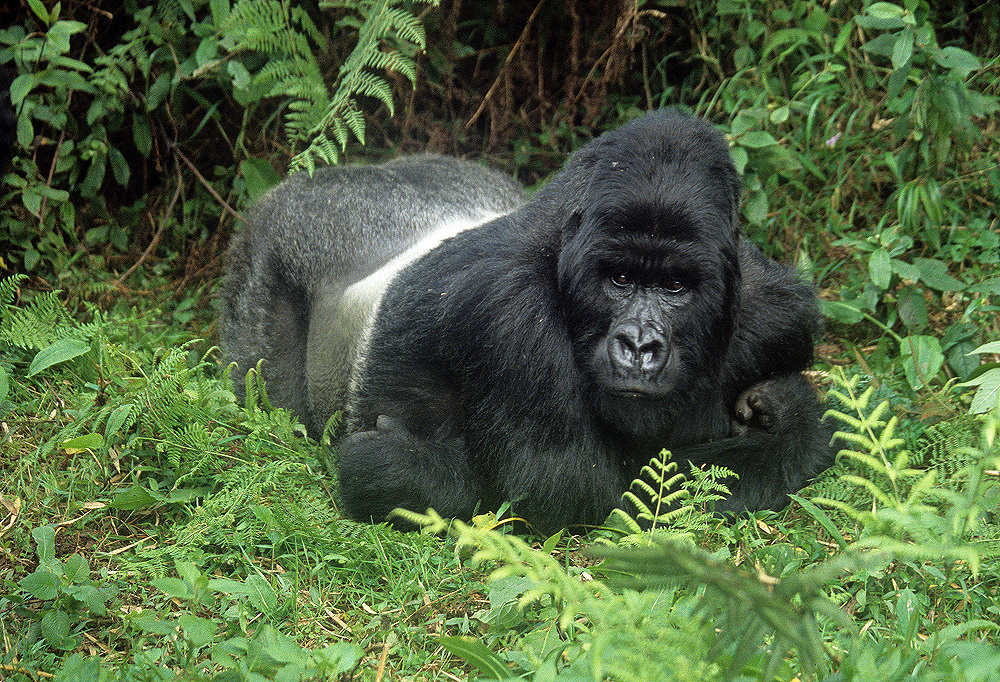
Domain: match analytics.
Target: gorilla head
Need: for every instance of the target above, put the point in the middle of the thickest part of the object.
(649, 269)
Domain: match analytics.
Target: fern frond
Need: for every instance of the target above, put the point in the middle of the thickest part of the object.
(394, 61)
(383, 25)
(38, 323)
(8, 289)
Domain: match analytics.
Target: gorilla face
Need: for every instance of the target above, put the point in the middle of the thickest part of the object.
(650, 277)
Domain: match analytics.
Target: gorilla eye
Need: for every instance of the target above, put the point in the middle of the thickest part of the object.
(674, 286)
(621, 279)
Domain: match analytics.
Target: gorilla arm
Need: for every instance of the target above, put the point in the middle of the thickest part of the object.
(779, 444)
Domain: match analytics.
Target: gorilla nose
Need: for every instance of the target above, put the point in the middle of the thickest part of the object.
(639, 348)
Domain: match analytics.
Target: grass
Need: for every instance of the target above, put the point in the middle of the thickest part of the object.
(151, 528)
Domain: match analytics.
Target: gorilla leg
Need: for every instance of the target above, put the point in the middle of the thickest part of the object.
(390, 467)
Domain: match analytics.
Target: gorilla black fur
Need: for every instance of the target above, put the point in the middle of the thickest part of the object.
(544, 356)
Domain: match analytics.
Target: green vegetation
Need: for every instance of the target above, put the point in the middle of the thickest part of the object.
(151, 528)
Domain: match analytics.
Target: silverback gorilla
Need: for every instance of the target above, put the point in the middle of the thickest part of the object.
(486, 348)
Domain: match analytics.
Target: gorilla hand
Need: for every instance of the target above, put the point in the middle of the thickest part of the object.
(773, 405)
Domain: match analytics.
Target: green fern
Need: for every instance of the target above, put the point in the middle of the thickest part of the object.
(904, 509)
(670, 502)
(38, 323)
(644, 626)
(382, 23)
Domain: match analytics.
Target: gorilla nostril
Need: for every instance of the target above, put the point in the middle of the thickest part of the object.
(623, 350)
(638, 348)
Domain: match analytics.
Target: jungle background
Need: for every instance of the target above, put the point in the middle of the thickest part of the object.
(153, 528)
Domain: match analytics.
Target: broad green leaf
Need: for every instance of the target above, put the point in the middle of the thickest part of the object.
(200, 631)
(71, 80)
(70, 63)
(881, 45)
(208, 50)
(784, 36)
(239, 74)
(986, 286)
(45, 539)
(189, 572)
(20, 88)
(912, 308)
(842, 37)
(259, 176)
(76, 569)
(988, 394)
(780, 115)
(60, 351)
(740, 158)
(957, 60)
(898, 79)
(228, 586)
(280, 646)
(39, 9)
(118, 418)
(262, 595)
(158, 91)
(755, 207)
(149, 621)
(879, 269)
(119, 166)
(840, 311)
(220, 12)
(905, 270)
(59, 34)
(93, 598)
(173, 587)
(88, 441)
(41, 584)
(55, 627)
(340, 658)
(922, 359)
(53, 193)
(757, 139)
(885, 10)
(991, 347)
(934, 273)
(902, 49)
(135, 497)
(141, 135)
(477, 654)
(743, 57)
(80, 669)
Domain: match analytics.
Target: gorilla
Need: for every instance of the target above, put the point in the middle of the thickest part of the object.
(485, 348)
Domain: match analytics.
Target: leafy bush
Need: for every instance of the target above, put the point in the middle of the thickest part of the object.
(167, 89)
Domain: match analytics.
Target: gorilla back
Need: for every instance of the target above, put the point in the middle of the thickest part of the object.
(544, 356)
(311, 239)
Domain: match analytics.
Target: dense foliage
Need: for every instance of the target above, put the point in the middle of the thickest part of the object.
(153, 528)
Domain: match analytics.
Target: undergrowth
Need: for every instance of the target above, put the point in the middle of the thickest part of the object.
(197, 539)
(153, 528)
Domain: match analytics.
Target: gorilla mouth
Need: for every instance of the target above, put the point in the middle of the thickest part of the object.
(638, 392)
